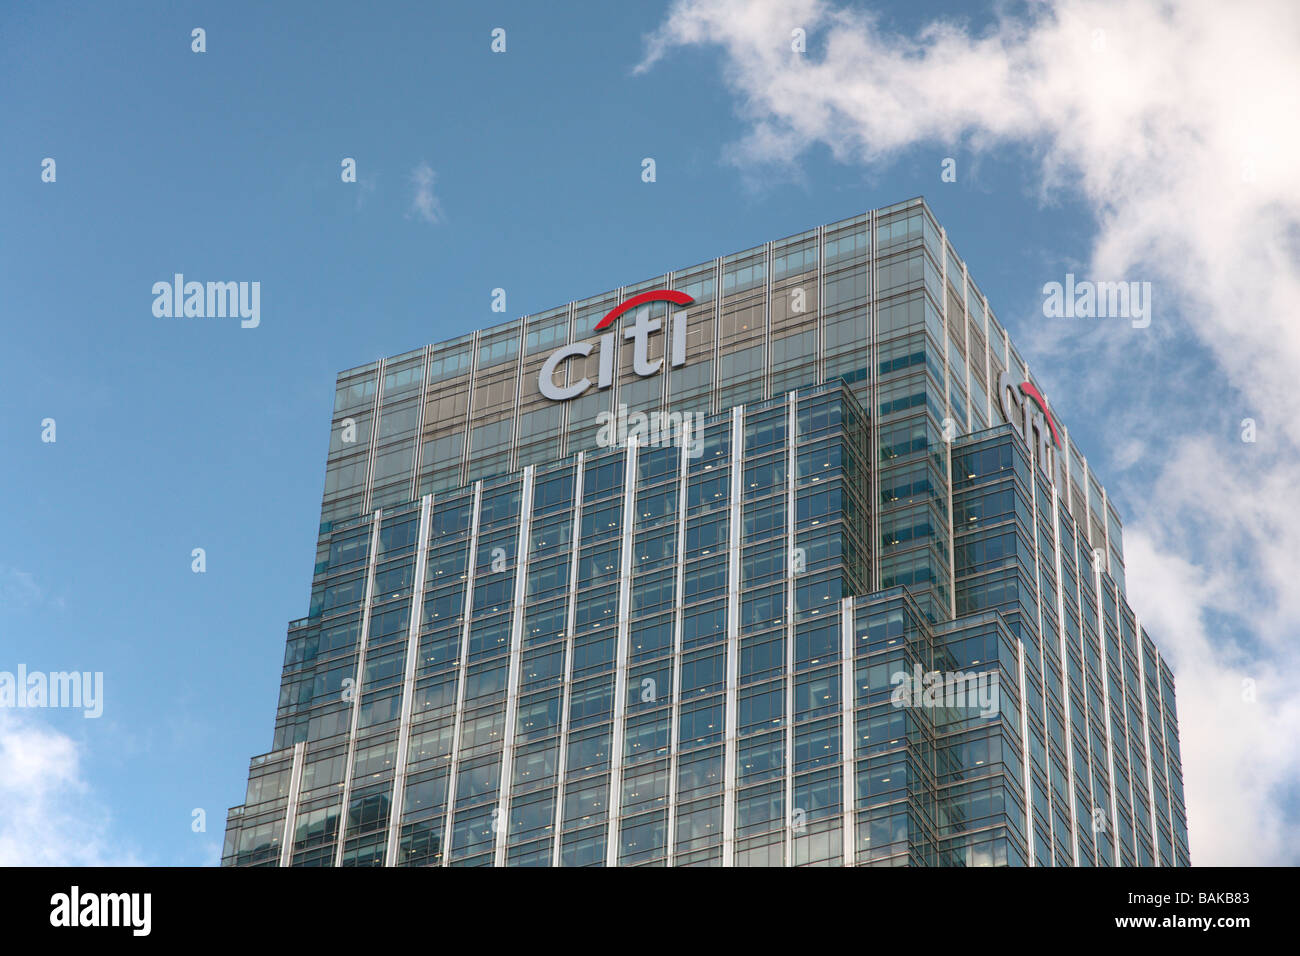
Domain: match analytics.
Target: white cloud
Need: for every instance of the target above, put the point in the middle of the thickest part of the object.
(1171, 122)
(424, 203)
(18, 588)
(1213, 550)
(49, 816)
(20, 591)
(366, 186)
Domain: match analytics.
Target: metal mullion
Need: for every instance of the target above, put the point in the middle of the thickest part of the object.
(1106, 716)
(965, 346)
(819, 337)
(717, 332)
(469, 411)
(873, 399)
(767, 323)
(516, 660)
(1164, 757)
(417, 458)
(792, 420)
(519, 394)
(462, 668)
(1024, 755)
(1038, 627)
(563, 449)
(1083, 676)
(679, 585)
(1146, 743)
(408, 684)
(733, 640)
(620, 661)
(1123, 687)
(291, 809)
(848, 730)
(1063, 658)
(566, 692)
(664, 398)
(371, 561)
(372, 446)
(988, 362)
(949, 420)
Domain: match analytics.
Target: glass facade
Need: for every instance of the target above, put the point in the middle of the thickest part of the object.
(529, 644)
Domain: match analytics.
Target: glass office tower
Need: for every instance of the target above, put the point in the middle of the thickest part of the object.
(642, 580)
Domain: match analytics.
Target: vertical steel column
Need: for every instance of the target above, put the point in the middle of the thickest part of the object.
(469, 410)
(717, 333)
(519, 394)
(397, 804)
(819, 336)
(873, 403)
(1105, 696)
(372, 445)
(462, 669)
(371, 560)
(787, 802)
(1083, 668)
(620, 663)
(733, 640)
(417, 458)
(949, 423)
(291, 809)
(1035, 504)
(767, 321)
(1024, 756)
(502, 821)
(674, 721)
(1164, 756)
(1063, 657)
(1146, 742)
(575, 542)
(848, 732)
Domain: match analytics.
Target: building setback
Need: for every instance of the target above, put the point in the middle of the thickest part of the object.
(536, 639)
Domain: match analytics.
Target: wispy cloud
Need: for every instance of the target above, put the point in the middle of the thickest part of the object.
(366, 186)
(20, 591)
(18, 588)
(1164, 119)
(49, 814)
(424, 204)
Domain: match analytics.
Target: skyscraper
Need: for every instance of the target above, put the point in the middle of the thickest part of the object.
(780, 559)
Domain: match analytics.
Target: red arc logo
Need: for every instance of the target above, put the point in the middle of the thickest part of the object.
(1037, 396)
(658, 295)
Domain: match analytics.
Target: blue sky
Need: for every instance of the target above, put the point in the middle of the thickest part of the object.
(177, 434)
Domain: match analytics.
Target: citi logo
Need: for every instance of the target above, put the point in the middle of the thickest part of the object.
(1026, 409)
(638, 333)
